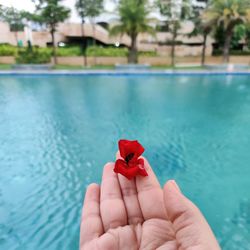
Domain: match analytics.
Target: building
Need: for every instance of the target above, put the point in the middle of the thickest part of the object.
(70, 33)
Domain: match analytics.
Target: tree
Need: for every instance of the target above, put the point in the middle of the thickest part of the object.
(50, 13)
(228, 14)
(14, 18)
(133, 21)
(239, 33)
(90, 9)
(175, 13)
(248, 35)
(200, 28)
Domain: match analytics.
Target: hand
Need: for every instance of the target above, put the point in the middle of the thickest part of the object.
(138, 214)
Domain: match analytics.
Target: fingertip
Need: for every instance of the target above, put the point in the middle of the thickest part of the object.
(172, 186)
(146, 164)
(108, 171)
(108, 167)
(93, 186)
(92, 192)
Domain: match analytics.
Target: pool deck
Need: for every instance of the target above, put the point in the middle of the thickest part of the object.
(122, 72)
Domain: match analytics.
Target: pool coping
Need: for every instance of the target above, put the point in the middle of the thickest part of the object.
(121, 72)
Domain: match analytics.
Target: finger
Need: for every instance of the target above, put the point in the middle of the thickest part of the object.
(150, 195)
(189, 224)
(91, 224)
(113, 211)
(130, 198)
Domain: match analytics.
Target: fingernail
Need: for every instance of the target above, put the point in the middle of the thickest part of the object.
(174, 184)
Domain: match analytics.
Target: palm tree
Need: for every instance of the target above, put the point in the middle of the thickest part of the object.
(133, 21)
(228, 13)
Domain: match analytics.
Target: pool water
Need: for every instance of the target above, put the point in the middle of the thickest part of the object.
(57, 132)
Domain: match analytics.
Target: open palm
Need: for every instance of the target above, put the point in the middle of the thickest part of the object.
(138, 214)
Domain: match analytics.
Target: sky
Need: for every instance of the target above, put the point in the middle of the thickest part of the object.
(29, 6)
(109, 6)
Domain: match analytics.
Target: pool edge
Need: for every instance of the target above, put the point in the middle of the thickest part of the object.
(120, 72)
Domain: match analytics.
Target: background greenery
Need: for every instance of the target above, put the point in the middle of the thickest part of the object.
(226, 21)
(9, 50)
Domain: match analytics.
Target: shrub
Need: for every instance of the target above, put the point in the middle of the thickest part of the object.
(44, 50)
(7, 50)
(219, 52)
(116, 52)
(147, 53)
(34, 56)
(41, 55)
(69, 51)
(106, 51)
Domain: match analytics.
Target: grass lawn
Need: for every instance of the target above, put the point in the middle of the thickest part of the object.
(5, 66)
(161, 67)
(74, 67)
(177, 67)
(110, 67)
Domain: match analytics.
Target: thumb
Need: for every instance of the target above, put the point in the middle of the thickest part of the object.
(190, 226)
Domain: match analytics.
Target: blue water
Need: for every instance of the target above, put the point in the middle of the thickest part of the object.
(57, 132)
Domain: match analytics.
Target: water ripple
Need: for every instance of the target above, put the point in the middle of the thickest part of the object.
(57, 133)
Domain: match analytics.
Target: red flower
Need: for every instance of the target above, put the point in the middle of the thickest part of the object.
(130, 165)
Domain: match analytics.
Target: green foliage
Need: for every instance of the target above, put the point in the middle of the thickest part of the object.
(34, 56)
(5, 66)
(108, 51)
(147, 53)
(67, 51)
(219, 52)
(7, 50)
(133, 18)
(248, 38)
(175, 12)
(239, 32)
(229, 13)
(219, 35)
(89, 8)
(13, 17)
(114, 52)
(51, 12)
(225, 15)
(70, 51)
(201, 27)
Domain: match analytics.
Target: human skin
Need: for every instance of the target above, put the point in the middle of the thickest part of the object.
(138, 214)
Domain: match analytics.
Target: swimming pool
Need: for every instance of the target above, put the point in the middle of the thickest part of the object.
(56, 133)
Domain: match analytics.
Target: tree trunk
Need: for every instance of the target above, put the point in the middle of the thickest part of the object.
(173, 45)
(16, 37)
(203, 55)
(54, 46)
(94, 40)
(83, 45)
(133, 55)
(226, 48)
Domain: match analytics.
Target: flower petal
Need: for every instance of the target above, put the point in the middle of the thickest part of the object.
(127, 147)
(142, 171)
(121, 167)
